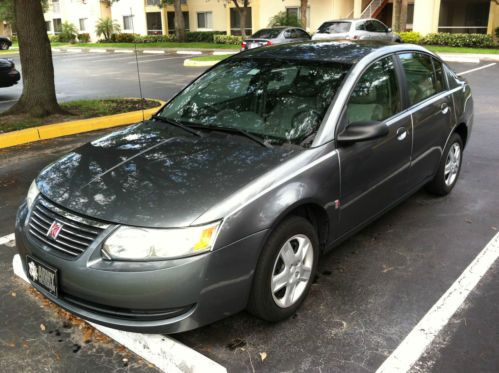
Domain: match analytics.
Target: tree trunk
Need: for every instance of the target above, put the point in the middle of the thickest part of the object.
(403, 15)
(303, 13)
(179, 22)
(396, 16)
(38, 97)
(242, 16)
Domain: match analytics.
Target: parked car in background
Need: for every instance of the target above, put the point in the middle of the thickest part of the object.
(225, 199)
(8, 73)
(356, 29)
(5, 42)
(275, 35)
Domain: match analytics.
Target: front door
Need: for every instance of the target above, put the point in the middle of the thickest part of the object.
(374, 173)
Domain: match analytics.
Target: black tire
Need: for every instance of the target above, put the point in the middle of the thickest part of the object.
(438, 185)
(261, 302)
(4, 46)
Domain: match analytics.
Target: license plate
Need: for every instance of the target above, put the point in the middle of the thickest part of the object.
(43, 275)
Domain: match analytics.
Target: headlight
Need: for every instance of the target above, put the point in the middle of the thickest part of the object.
(130, 243)
(33, 192)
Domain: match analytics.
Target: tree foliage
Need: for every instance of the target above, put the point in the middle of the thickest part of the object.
(106, 27)
(284, 19)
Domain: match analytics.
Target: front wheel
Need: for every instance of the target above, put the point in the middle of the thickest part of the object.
(285, 270)
(4, 45)
(450, 166)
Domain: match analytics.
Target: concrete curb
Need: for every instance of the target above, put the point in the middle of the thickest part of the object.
(152, 50)
(165, 353)
(51, 131)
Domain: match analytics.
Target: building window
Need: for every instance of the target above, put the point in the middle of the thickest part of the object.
(83, 24)
(235, 22)
(171, 21)
(464, 16)
(154, 25)
(57, 25)
(295, 11)
(48, 25)
(127, 22)
(205, 20)
(153, 2)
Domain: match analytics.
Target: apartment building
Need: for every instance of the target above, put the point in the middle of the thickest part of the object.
(148, 17)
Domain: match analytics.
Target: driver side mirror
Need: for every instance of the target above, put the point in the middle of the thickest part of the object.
(362, 131)
(388, 30)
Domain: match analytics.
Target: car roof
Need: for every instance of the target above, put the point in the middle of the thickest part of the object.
(342, 51)
(352, 20)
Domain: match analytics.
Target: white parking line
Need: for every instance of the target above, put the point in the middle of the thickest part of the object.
(476, 69)
(165, 353)
(420, 338)
(7, 239)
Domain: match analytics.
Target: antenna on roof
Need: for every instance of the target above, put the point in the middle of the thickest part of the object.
(137, 64)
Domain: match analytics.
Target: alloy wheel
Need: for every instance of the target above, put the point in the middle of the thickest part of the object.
(292, 270)
(452, 164)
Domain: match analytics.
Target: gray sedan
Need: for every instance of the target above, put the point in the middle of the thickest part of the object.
(355, 29)
(273, 36)
(226, 198)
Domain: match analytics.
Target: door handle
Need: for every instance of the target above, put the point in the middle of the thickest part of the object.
(444, 108)
(401, 134)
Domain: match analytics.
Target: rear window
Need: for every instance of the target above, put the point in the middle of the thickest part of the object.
(334, 27)
(266, 33)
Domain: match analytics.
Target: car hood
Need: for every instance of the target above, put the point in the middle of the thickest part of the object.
(156, 175)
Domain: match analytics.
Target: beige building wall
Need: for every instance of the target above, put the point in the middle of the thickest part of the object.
(426, 14)
(493, 17)
(218, 11)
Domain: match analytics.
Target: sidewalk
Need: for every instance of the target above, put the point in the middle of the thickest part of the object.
(152, 50)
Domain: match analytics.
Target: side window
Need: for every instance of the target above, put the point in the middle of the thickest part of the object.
(302, 34)
(376, 95)
(379, 27)
(361, 26)
(421, 79)
(294, 34)
(439, 76)
(370, 26)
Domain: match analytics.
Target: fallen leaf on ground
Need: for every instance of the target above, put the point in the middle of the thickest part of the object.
(42, 327)
(263, 355)
(13, 293)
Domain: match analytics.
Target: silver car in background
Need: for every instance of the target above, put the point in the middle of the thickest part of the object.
(275, 35)
(355, 29)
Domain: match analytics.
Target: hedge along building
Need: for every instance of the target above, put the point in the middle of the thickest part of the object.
(148, 17)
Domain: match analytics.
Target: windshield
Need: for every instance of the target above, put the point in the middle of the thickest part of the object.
(279, 101)
(334, 27)
(266, 33)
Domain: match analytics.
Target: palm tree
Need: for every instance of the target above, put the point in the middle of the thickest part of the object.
(106, 27)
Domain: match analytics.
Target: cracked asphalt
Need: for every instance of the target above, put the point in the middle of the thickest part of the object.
(371, 290)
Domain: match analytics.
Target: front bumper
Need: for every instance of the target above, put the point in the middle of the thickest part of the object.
(149, 297)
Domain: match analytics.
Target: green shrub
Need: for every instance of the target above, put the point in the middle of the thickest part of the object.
(284, 19)
(84, 38)
(123, 38)
(68, 33)
(227, 39)
(153, 38)
(459, 40)
(203, 36)
(411, 37)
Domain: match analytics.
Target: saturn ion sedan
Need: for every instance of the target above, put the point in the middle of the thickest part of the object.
(226, 198)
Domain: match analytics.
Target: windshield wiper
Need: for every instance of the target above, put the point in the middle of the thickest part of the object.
(173, 122)
(240, 132)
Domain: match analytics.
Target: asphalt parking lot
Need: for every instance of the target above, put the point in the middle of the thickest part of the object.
(371, 290)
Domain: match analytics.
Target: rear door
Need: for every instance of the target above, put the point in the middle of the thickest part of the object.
(374, 173)
(432, 109)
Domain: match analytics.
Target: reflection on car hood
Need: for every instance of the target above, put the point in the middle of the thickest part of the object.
(155, 175)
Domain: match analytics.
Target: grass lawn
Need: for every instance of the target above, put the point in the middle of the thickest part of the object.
(81, 109)
(211, 58)
(159, 45)
(441, 49)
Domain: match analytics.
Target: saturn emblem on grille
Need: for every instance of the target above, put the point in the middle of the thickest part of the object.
(54, 230)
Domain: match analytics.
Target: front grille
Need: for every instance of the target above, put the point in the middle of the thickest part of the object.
(75, 236)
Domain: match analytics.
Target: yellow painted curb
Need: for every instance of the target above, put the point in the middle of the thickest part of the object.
(51, 131)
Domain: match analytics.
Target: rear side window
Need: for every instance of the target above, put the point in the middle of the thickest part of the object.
(334, 27)
(361, 26)
(376, 96)
(302, 34)
(267, 33)
(422, 80)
